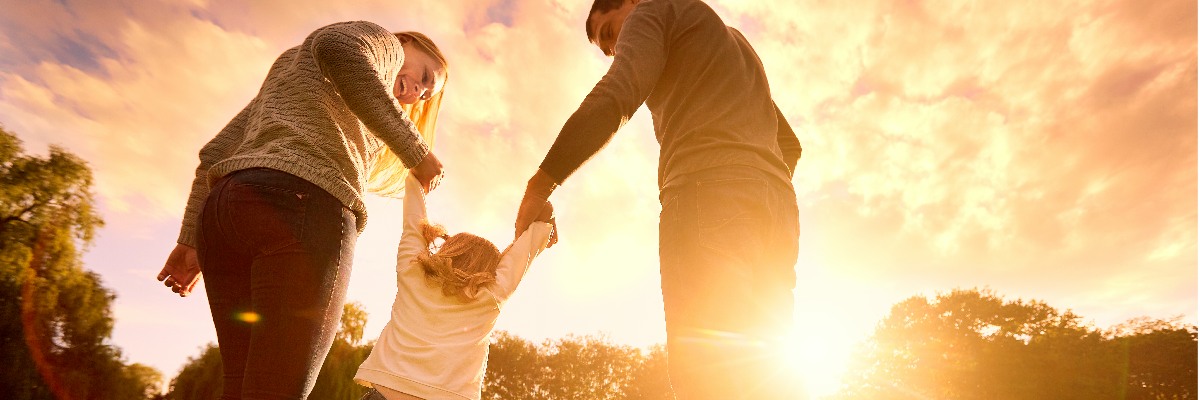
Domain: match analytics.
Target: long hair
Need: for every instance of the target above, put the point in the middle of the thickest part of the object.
(462, 265)
(386, 175)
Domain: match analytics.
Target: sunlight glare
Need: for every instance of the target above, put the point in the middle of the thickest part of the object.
(818, 362)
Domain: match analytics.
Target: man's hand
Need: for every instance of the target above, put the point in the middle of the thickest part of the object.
(535, 200)
(181, 271)
(547, 216)
(429, 172)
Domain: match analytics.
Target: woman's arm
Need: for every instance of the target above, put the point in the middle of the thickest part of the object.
(181, 271)
(361, 60)
(219, 148)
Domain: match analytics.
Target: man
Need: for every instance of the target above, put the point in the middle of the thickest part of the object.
(729, 228)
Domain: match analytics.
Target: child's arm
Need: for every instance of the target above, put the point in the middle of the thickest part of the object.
(515, 261)
(411, 240)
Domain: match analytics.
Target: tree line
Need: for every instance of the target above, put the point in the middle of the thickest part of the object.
(56, 323)
(570, 368)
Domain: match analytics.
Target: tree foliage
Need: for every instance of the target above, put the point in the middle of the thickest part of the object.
(1159, 359)
(200, 377)
(575, 367)
(571, 368)
(971, 344)
(55, 316)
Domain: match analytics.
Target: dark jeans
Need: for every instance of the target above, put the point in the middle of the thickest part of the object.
(728, 242)
(276, 252)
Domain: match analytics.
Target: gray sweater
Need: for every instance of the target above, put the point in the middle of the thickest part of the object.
(323, 114)
(705, 88)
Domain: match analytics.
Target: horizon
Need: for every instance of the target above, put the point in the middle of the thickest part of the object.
(1042, 151)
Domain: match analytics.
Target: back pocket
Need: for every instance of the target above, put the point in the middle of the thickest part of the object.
(266, 218)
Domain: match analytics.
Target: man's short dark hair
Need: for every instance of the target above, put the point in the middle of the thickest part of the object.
(600, 6)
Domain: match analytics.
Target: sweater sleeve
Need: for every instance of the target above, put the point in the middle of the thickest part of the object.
(219, 148)
(412, 242)
(361, 60)
(789, 144)
(518, 257)
(639, 58)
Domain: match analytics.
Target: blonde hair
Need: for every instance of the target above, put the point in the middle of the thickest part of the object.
(462, 265)
(386, 175)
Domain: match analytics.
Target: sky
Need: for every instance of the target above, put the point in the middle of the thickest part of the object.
(1045, 150)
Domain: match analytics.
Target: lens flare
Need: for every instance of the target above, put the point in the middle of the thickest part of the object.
(249, 317)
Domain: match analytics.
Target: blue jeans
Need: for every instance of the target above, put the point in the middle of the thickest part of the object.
(728, 244)
(276, 252)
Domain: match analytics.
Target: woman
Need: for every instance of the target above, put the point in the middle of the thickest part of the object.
(276, 205)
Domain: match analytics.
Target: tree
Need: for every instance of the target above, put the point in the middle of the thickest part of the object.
(588, 368)
(336, 379)
(200, 377)
(354, 320)
(144, 381)
(513, 369)
(649, 380)
(55, 318)
(971, 344)
(575, 367)
(1159, 357)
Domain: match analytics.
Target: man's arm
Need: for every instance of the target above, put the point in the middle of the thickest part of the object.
(789, 144)
(639, 59)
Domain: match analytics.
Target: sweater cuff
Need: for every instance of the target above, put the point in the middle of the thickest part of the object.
(187, 237)
(415, 154)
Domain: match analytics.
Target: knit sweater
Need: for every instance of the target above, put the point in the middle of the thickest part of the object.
(706, 90)
(434, 346)
(323, 113)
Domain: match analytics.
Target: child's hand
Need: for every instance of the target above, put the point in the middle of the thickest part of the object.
(547, 215)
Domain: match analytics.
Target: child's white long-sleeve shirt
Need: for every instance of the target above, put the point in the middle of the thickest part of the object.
(435, 346)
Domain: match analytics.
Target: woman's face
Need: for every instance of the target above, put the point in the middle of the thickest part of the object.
(420, 77)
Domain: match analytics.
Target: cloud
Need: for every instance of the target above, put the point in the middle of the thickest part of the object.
(1044, 149)
(1048, 149)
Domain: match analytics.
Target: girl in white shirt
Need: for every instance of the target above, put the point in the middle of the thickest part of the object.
(448, 298)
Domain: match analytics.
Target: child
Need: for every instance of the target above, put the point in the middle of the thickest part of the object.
(436, 344)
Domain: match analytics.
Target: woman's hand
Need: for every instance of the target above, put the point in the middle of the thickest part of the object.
(429, 172)
(181, 271)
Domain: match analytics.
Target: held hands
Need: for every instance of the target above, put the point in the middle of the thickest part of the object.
(547, 216)
(429, 172)
(181, 271)
(534, 204)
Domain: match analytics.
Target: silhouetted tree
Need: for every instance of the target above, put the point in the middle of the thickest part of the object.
(971, 344)
(513, 369)
(55, 317)
(649, 380)
(1160, 359)
(336, 379)
(200, 377)
(575, 367)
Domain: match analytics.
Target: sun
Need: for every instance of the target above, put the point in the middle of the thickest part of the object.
(818, 360)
